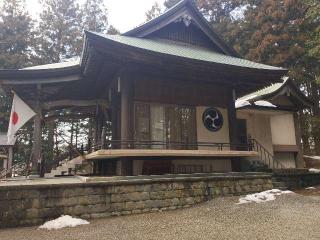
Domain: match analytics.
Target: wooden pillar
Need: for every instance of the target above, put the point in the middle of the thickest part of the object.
(5, 163)
(232, 114)
(10, 157)
(233, 130)
(36, 156)
(124, 166)
(90, 136)
(115, 116)
(126, 112)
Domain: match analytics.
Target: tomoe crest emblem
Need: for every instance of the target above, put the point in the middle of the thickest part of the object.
(212, 119)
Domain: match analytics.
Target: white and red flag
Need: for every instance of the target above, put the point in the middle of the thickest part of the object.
(20, 114)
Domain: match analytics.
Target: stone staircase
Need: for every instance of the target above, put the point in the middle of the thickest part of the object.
(66, 167)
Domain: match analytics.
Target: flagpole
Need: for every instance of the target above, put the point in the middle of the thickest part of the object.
(37, 138)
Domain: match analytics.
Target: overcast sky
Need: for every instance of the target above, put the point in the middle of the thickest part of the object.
(123, 14)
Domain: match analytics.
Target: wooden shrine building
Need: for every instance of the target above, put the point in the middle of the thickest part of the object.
(169, 89)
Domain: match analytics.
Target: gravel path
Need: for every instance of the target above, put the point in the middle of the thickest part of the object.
(291, 216)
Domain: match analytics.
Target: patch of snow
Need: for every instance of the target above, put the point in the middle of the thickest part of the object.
(242, 103)
(312, 157)
(263, 103)
(310, 188)
(62, 222)
(314, 170)
(262, 197)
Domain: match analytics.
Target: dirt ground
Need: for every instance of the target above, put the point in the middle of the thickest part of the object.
(290, 216)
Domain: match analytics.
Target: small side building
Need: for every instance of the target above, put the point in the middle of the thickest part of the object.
(270, 116)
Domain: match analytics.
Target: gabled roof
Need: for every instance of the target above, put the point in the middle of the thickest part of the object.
(194, 53)
(180, 10)
(286, 88)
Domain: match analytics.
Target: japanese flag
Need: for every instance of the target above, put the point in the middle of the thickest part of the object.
(20, 114)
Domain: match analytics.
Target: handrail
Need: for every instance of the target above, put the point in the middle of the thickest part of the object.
(21, 166)
(265, 155)
(67, 156)
(114, 144)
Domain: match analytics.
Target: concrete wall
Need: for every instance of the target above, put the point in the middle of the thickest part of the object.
(287, 159)
(204, 135)
(33, 204)
(283, 130)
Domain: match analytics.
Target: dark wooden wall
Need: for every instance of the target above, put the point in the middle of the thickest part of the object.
(179, 32)
(182, 93)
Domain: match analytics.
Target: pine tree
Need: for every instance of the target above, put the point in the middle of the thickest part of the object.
(94, 16)
(16, 35)
(59, 31)
(113, 31)
(154, 12)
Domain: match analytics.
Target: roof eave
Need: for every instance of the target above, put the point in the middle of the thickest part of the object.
(41, 76)
(273, 73)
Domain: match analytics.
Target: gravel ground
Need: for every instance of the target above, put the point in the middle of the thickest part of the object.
(291, 216)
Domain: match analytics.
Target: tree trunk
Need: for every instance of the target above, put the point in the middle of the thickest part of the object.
(51, 134)
(315, 125)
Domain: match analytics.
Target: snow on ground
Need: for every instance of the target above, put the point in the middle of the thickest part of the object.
(261, 197)
(310, 188)
(314, 170)
(62, 222)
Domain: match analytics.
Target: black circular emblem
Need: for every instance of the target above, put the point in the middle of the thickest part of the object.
(212, 119)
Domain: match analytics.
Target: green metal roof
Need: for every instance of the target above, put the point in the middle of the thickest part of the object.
(267, 93)
(185, 51)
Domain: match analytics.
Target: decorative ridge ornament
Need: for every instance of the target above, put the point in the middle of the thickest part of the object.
(186, 19)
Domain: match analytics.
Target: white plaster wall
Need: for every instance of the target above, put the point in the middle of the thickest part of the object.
(259, 128)
(283, 130)
(204, 135)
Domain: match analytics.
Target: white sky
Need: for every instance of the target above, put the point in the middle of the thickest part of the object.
(123, 14)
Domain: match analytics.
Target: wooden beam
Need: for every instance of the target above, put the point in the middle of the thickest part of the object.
(68, 117)
(74, 103)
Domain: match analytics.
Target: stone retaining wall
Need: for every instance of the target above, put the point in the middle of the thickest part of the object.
(33, 204)
(298, 180)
